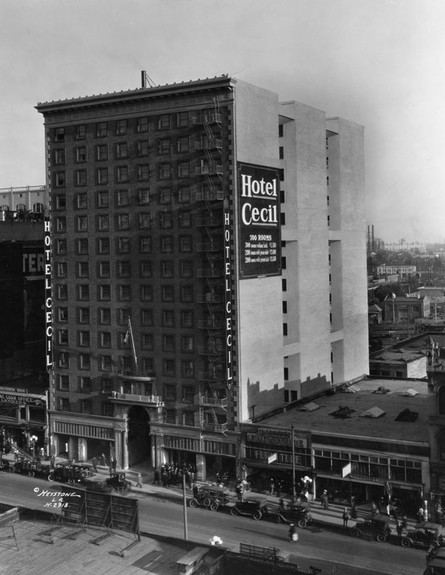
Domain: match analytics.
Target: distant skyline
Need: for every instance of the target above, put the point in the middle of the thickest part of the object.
(375, 62)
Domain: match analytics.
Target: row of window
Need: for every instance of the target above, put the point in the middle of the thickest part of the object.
(123, 126)
(123, 222)
(141, 148)
(104, 340)
(124, 293)
(104, 316)
(166, 269)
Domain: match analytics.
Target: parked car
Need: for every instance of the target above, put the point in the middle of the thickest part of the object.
(210, 496)
(255, 507)
(69, 474)
(377, 528)
(424, 535)
(119, 483)
(298, 514)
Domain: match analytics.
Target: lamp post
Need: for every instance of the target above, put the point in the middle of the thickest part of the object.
(294, 494)
(184, 501)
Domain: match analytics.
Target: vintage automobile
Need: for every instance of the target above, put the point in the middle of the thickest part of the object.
(209, 496)
(24, 466)
(255, 507)
(69, 474)
(424, 535)
(376, 528)
(118, 482)
(299, 514)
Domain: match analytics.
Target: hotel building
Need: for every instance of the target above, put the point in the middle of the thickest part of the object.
(207, 266)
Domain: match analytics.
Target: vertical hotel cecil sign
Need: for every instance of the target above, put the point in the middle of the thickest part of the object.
(48, 296)
(259, 221)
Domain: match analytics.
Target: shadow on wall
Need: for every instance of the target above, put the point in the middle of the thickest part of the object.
(267, 401)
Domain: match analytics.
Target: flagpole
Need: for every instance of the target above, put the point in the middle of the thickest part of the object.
(133, 347)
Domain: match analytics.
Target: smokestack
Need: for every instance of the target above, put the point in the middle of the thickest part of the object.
(143, 79)
(372, 240)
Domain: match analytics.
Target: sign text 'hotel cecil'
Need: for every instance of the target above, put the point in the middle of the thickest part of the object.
(259, 221)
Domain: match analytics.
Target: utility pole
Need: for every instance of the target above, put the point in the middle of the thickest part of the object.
(294, 494)
(184, 501)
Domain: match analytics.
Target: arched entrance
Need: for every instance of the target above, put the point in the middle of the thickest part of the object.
(139, 441)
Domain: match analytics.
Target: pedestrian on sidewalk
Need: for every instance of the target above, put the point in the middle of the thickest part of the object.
(293, 535)
(113, 465)
(399, 527)
(139, 482)
(94, 463)
(353, 508)
(325, 500)
(103, 460)
(345, 517)
(156, 476)
(420, 515)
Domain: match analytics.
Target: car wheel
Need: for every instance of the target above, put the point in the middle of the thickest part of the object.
(213, 506)
(193, 503)
(277, 518)
(355, 533)
(405, 542)
(31, 473)
(207, 502)
(380, 537)
(50, 477)
(257, 515)
(302, 523)
(233, 511)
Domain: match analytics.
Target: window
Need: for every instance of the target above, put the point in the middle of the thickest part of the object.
(170, 392)
(284, 328)
(184, 195)
(81, 154)
(84, 338)
(185, 243)
(142, 124)
(164, 171)
(145, 269)
(168, 293)
(64, 382)
(59, 135)
(123, 245)
(165, 220)
(82, 269)
(101, 129)
(122, 174)
(169, 367)
(148, 367)
(143, 148)
(183, 144)
(62, 337)
(103, 199)
(164, 122)
(102, 176)
(167, 244)
(62, 314)
(188, 418)
(121, 127)
(81, 132)
(123, 221)
(284, 285)
(82, 246)
(123, 293)
(62, 269)
(147, 341)
(82, 223)
(59, 179)
(185, 220)
(283, 262)
(104, 315)
(187, 293)
(163, 146)
(81, 200)
(186, 269)
(168, 318)
(105, 339)
(284, 306)
(144, 221)
(106, 363)
(167, 269)
(101, 152)
(64, 360)
(104, 292)
(103, 246)
(188, 368)
(123, 269)
(183, 169)
(281, 152)
(83, 292)
(85, 384)
(59, 157)
(143, 197)
(187, 343)
(147, 317)
(146, 293)
(83, 315)
(188, 393)
(84, 361)
(86, 406)
(182, 119)
(165, 196)
(280, 130)
(143, 173)
(62, 291)
(145, 244)
(121, 150)
(187, 318)
(60, 202)
(61, 224)
(103, 223)
(168, 343)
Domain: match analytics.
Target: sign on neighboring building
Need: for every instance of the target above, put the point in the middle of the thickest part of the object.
(259, 220)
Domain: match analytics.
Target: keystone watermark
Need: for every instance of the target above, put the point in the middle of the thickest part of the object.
(56, 498)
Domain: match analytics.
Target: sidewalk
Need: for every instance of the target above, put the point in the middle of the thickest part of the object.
(331, 517)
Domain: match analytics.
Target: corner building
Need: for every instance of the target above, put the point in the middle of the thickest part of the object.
(208, 264)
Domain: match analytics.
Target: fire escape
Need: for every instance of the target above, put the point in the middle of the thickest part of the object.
(210, 194)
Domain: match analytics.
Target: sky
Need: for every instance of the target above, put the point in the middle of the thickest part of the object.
(379, 63)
